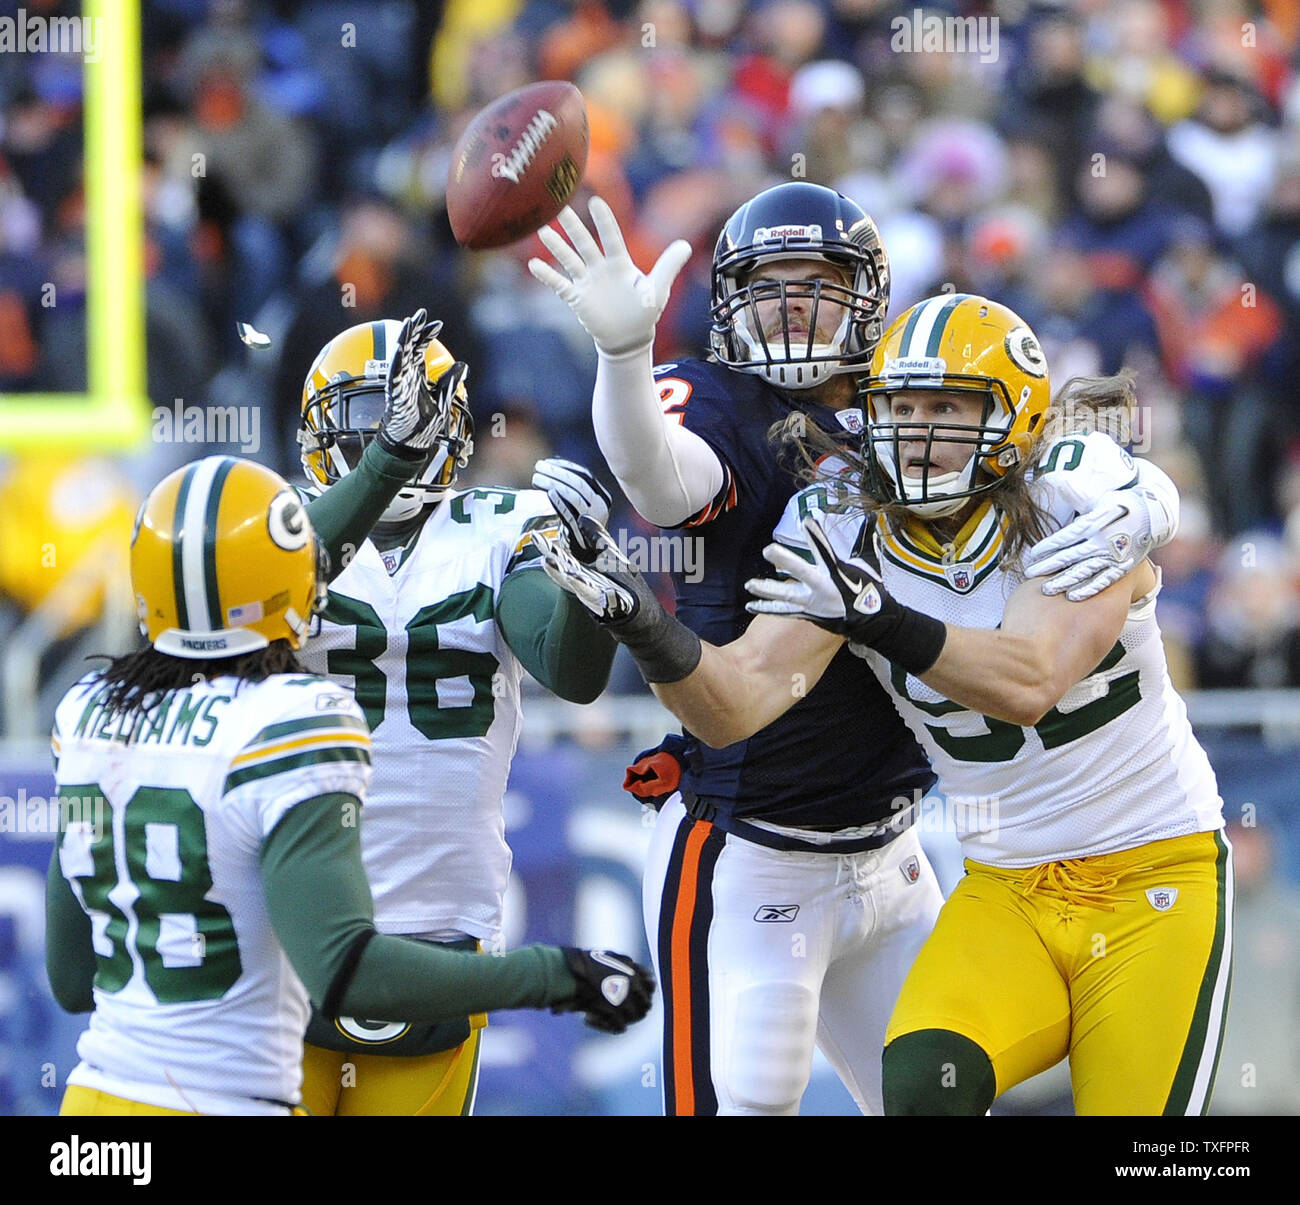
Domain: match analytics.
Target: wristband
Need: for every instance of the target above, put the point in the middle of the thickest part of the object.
(664, 649)
(401, 451)
(908, 638)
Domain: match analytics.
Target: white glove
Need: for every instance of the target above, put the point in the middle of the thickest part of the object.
(1100, 547)
(574, 492)
(615, 301)
(845, 597)
(607, 599)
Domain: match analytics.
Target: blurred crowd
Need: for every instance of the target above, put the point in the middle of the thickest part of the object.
(1124, 173)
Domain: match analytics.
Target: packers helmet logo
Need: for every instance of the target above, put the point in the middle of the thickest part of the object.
(1025, 352)
(361, 1030)
(286, 521)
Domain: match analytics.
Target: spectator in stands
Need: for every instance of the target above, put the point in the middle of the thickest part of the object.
(1222, 343)
(1047, 86)
(380, 267)
(1229, 146)
(1253, 637)
(256, 169)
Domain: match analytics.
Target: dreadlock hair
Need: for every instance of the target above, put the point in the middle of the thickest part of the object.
(135, 682)
(1081, 405)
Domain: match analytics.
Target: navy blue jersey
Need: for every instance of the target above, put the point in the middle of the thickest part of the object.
(840, 756)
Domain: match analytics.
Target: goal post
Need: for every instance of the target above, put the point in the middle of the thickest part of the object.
(114, 413)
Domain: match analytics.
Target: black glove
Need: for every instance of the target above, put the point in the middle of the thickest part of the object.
(848, 598)
(613, 991)
(413, 418)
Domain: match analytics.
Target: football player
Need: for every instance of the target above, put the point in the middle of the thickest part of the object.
(1098, 877)
(207, 878)
(802, 828)
(431, 625)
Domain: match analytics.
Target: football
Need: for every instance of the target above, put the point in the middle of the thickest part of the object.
(517, 164)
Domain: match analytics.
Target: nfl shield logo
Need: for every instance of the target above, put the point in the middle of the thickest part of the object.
(1162, 898)
(392, 559)
(1119, 544)
(959, 577)
(911, 869)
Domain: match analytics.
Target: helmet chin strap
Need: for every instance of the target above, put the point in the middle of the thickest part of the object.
(816, 364)
(410, 504)
(939, 505)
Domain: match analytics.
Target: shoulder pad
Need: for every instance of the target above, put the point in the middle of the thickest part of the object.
(842, 527)
(1078, 469)
(482, 504)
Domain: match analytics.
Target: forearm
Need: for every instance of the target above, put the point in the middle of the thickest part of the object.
(416, 981)
(720, 703)
(740, 688)
(69, 952)
(667, 472)
(554, 636)
(995, 673)
(1021, 670)
(344, 514)
(321, 909)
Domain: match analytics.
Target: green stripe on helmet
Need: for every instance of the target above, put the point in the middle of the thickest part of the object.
(178, 534)
(941, 321)
(210, 542)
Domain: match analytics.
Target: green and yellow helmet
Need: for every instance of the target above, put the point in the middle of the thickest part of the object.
(224, 560)
(965, 343)
(343, 402)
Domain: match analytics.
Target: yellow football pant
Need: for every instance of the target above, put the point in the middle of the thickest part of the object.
(1121, 961)
(339, 1084)
(87, 1102)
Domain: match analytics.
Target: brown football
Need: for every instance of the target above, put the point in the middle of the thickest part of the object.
(517, 164)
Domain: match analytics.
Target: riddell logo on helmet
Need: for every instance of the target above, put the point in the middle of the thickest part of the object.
(773, 234)
(915, 366)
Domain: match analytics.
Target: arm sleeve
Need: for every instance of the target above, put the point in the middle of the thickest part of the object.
(667, 472)
(320, 906)
(344, 514)
(69, 953)
(554, 635)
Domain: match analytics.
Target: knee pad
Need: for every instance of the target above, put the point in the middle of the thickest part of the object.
(767, 1056)
(937, 1073)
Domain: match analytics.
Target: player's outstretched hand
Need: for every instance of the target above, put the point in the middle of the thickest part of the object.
(607, 585)
(613, 991)
(1100, 547)
(574, 492)
(615, 301)
(413, 417)
(840, 596)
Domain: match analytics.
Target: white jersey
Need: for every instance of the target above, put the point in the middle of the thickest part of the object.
(196, 1005)
(1113, 765)
(414, 635)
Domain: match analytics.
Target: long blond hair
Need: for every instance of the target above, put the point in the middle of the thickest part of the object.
(1081, 405)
